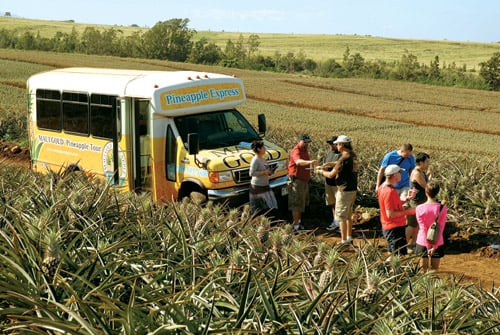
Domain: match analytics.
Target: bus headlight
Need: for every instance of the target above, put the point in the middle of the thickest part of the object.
(220, 177)
(281, 165)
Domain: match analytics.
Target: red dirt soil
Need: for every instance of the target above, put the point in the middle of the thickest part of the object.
(465, 259)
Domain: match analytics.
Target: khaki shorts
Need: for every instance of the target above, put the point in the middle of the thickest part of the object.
(298, 196)
(403, 193)
(344, 204)
(411, 220)
(330, 194)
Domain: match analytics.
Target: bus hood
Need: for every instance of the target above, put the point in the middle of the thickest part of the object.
(237, 157)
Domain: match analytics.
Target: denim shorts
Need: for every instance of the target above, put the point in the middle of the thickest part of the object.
(396, 240)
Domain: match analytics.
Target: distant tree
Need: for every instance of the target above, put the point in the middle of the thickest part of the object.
(64, 42)
(205, 53)
(132, 45)
(7, 14)
(230, 55)
(330, 68)
(408, 68)
(253, 44)
(354, 66)
(239, 49)
(434, 71)
(90, 41)
(490, 71)
(26, 41)
(7, 39)
(169, 40)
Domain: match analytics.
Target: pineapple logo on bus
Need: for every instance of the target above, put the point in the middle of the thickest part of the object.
(107, 164)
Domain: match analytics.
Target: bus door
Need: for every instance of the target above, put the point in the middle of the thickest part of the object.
(141, 145)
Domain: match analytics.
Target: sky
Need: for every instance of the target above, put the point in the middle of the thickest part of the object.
(453, 20)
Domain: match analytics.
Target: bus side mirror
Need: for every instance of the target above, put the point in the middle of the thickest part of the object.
(262, 124)
(193, 144)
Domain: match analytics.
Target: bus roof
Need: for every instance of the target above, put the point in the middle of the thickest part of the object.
(145, 84)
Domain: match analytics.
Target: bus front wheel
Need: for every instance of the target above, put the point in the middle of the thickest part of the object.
(194, 193)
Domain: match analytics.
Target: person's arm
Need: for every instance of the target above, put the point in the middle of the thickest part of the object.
(295, 157)
(304, 162)
(254, 169)
(398, 213)
(379, 177)
(329, 174)
(336, 168)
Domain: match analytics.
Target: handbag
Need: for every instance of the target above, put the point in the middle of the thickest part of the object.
(433, 231)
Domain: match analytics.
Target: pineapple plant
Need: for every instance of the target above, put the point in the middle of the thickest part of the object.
(288, 234)
(236, 261)
(245, 213)
(318, 259)
(232, 220)
(327, 275)
(263, 230)
(276, 238)
(371, 292)
(51, 259)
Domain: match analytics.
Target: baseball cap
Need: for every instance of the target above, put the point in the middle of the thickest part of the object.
(393, 169)
(331, 140)
(305, 138)
(342, 139)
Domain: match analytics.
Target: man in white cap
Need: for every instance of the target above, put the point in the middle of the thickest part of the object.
(346, 178)
(392, 213)
(330, 160)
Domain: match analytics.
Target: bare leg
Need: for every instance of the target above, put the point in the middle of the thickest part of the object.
(349, 228)
(343, 229)
(424, 263)
(296, 217)
(435, 263)
(411, 236)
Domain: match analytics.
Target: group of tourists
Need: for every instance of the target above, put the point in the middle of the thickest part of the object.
(406, 193)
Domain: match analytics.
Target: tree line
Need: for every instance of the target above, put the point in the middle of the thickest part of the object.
(173, 40)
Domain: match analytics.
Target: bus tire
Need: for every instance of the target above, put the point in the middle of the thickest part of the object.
(193, 192)
(198, 197)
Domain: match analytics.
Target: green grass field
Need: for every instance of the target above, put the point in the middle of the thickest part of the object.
(316, 47)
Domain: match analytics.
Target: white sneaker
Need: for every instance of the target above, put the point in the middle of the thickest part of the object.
(333, 226)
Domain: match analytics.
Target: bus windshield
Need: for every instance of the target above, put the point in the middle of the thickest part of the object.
(217, 129)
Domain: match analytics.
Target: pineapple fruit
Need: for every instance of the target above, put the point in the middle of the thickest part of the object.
(51, 259)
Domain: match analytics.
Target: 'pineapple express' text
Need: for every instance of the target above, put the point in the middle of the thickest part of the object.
(201, 96)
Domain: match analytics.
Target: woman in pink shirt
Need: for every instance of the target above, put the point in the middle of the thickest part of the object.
(426, 214)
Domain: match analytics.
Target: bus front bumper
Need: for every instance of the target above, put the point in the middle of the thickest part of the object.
(278, 185)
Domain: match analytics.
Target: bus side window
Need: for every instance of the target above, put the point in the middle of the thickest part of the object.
(48, 109)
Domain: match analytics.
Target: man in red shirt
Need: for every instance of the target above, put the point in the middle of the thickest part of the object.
(392, 213)
(299, 174)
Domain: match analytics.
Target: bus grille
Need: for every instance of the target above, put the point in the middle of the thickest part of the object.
(241, 176)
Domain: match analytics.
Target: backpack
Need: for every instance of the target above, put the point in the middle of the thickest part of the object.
(433, 231)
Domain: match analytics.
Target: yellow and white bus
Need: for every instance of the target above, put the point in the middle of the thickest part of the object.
(174, 134)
